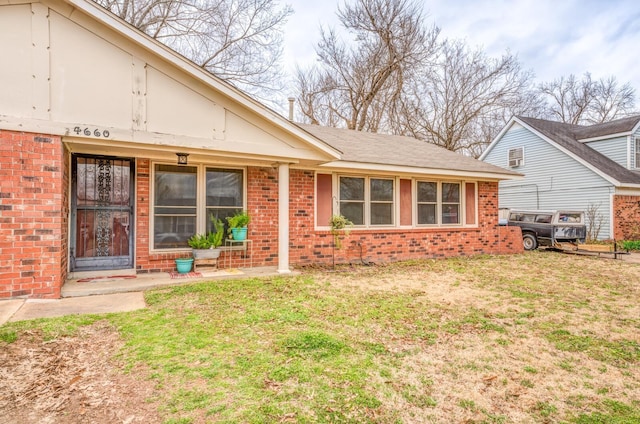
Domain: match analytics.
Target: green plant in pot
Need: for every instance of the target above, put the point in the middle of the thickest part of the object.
(238, 225)
(207, 245)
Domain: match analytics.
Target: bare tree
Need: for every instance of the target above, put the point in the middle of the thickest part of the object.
(357, 84)
(611, 101)
(586, 101)
(595, 220)
(238, 40)
(463, 104)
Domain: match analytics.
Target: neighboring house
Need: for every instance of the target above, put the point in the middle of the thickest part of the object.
(94, 116)
(594, 167)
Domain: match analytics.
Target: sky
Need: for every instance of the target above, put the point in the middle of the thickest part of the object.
(553, 38)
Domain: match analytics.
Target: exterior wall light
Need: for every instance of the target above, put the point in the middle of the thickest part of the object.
(182, 158)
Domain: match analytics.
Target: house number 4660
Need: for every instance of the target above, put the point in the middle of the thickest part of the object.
(87, 131)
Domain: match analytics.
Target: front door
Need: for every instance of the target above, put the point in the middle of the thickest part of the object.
(101, 213)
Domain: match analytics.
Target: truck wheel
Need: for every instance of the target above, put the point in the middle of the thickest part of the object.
(530, 242)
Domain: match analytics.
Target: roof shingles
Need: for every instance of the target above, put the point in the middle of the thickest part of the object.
(382, 149)
(568, 136)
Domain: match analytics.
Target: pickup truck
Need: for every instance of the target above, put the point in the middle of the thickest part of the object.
(546, 227)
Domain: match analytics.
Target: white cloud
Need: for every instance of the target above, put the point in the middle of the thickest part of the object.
(553, 38)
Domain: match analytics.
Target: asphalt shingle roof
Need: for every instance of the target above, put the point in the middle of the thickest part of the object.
(383, 149)
(567, 136)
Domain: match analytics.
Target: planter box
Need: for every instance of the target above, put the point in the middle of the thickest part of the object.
(206, 253)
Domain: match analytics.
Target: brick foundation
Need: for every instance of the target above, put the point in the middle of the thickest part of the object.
(33, 178)
(626, 217)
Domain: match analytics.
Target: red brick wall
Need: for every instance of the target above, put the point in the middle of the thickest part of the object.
(308, 246)
(33, 174)
(626, 217)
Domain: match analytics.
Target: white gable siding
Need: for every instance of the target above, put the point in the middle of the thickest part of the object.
(613, 148)
(553, 179)
(73, 76)
(16, 49)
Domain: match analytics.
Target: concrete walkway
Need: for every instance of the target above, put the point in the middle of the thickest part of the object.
(25, 309)
(105, 294)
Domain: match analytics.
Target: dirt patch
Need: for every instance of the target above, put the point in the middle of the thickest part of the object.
(72, 380)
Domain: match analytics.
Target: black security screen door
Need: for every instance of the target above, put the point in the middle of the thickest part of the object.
(101, 213)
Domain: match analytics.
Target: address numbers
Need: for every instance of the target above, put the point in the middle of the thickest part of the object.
(91, 132)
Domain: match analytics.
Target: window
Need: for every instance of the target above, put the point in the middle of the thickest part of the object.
(427, 203)
(438, 203)
(224, 194)
(367, 201)
(381, 193)
(174, 207)
(352, 199)
(450, 203)
(178, 210)
(637, 146)
(516, 157)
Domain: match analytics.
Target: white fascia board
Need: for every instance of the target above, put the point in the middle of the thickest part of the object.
(341, 166)
(607, 177)
(604, 137)
(102, 15)
(497, 138)
(164, 152)
(628, 190)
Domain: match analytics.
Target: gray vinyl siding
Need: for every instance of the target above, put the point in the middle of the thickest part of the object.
(553, 179)
(613, 148)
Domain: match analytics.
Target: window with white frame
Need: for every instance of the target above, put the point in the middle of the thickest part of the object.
(637, 155)
(381, 201)
(367, 201)
(427, 203)
(516, 157)
(438, 203)
(178, 211)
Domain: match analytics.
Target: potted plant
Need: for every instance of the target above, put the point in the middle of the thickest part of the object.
(238, 225)
(183, 265)
(207, 245)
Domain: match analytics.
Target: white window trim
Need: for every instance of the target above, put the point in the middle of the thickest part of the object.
(521, 160)
(636, 152)
(461, 204)
(367, 199)
(201, 200)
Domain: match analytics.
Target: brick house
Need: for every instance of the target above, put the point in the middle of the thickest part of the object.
(95, 115)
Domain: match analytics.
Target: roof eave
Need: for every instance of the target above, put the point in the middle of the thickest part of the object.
(605, 137)
(413, 170)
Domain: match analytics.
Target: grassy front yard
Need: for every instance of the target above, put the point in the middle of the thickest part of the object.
(539, 337)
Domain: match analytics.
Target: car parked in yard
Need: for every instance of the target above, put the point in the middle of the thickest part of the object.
(548, 227)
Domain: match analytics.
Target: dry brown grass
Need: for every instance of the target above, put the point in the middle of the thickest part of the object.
(492, 359)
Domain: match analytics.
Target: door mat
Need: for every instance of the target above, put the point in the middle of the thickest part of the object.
(192, 274)
(105, 278)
